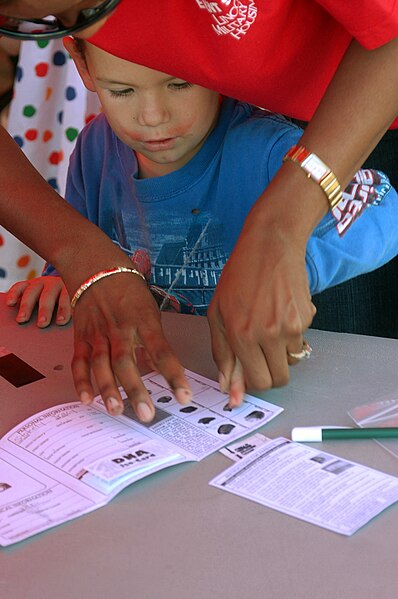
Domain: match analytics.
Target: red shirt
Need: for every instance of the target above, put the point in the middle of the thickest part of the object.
(278, 54)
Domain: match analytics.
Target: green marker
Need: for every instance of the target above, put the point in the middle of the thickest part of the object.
(311, 434)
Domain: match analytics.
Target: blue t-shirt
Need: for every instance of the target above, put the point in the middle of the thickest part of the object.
(180, 228)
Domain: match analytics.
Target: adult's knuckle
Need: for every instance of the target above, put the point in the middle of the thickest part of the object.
(242, 334)
(99, 354)
(259, 382)
(120, 360)
(271, 331)
(161, 356)
(280, 380)
(294, 328)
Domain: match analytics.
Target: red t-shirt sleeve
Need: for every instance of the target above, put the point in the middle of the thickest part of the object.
(371, 22)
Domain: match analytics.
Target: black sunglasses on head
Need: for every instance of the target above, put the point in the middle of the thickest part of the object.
(51, 27)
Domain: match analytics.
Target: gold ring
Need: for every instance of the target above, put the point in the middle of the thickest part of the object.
(304, 353)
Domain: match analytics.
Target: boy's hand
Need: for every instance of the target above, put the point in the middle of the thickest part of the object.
(46, 292)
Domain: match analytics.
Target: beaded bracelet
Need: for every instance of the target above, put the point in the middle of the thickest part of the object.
(317, 170)
(101, 275)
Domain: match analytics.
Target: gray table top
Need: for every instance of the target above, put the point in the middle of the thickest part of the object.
(172, 536)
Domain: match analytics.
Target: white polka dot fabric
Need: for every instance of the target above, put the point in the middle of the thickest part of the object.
(49, 108)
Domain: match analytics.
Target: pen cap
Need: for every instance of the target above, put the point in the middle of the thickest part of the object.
(307, 434)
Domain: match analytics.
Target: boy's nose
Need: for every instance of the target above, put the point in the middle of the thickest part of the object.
(153, 112)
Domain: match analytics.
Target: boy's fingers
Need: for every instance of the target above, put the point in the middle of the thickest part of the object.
(29, 300)
(15, 292)
(50, 294)
(44, 292)
(64, 312)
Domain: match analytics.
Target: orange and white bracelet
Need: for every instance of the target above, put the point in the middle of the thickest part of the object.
(101, 275)
(318, 171)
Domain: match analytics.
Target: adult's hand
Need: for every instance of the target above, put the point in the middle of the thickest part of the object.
(262, 304)
(259, 312)
(112, 320)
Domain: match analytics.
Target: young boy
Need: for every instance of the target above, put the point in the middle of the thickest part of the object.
(170, 170)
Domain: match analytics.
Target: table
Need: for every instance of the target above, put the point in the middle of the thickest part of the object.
(172, 536)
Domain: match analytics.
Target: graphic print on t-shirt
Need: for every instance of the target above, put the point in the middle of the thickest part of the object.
(367, 187)
(183, 273)
(231, 17)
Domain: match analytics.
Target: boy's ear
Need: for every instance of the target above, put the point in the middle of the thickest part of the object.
(79, 59)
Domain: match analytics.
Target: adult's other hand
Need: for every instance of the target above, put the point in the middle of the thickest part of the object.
(112, 320)
(262, 304)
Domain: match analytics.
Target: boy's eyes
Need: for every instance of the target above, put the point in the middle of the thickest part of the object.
(121, 92)
(130, 90)
(182, 85)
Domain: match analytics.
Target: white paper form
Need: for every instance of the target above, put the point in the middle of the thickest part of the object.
(240, 449)
(71, 459)
(207, 423)
(312, 485)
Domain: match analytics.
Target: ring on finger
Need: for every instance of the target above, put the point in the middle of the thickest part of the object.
(305, 352)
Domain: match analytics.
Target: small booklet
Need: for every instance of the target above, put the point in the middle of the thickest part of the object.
(310, 484)
(72, 459)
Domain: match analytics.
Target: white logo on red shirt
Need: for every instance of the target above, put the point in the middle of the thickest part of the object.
(231, 17)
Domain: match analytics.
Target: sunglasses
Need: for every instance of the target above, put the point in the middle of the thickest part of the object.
(51, 27)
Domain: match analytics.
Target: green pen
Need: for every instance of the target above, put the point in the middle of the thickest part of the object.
(311, 434)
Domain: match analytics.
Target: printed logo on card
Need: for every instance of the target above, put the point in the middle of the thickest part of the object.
(230, 17)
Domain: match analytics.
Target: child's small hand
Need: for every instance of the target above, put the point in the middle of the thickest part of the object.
(44, 291)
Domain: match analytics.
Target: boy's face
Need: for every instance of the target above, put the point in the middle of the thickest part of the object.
(165, 120)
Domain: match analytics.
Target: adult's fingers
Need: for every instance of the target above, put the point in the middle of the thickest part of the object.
(221, 350)
(164, 359)
(117, 363)
(81, 370)
(258, 314)
(109, 326)
(237, 386)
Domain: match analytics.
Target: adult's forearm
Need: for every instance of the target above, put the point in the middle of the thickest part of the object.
(32, 211)
(114, 317)
(356, 110)
(252, 345)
